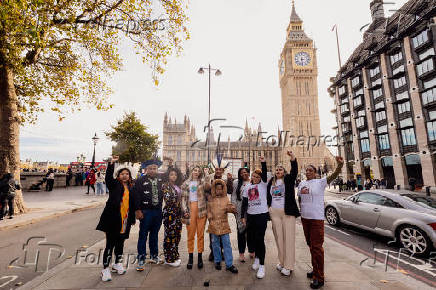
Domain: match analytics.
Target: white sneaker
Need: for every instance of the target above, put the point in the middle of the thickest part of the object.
(261, 272)
(279, 267)
(106, 275)
(175, 263)
(286, 272)
(255, 265)
(118, 268)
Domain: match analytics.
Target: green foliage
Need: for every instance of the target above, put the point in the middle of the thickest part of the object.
(134, 143)
(62, 52)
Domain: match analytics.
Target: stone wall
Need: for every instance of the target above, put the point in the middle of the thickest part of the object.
(29, 178)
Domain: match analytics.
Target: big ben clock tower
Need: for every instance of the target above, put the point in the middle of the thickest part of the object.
(299, 87)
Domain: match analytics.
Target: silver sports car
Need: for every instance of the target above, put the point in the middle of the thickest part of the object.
(406, 216)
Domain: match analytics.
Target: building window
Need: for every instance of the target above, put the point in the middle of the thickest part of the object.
(342, 90)
(179, 156)
(344, 100)
(360, 122)
(403, 108)
(430, 83)
(377, 93)
(426, 53)
(420, 39)
(380, 116)
(428, 96)
(359, 92)
(398, 70)
(344, 108)
(170, 140)
(346, 119)
(379, 105)
(376, 82)
(375, 71)
(425, 67)
(431, 130)
(357, 101)
(396, 57)
(398, 83)
(408, 137)
(361, 113)
(179, 140)
(403, 95)
(355, 81)
(364, 142)
(383, 140)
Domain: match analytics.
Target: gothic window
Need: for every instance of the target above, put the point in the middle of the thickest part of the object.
(170, 140)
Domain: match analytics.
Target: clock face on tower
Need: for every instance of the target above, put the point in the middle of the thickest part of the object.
(302, 58)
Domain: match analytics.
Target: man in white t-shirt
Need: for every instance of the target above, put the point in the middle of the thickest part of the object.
(311, 199)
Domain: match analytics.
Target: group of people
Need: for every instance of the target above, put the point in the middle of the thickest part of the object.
(8, 186)
(353, 184)
(92, 178)
(155, 199)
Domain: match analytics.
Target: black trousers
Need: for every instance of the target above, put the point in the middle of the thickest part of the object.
(113, 242)
(244, 241)
(92, 186)
(49, 185)
(10, 203)
(256, 227)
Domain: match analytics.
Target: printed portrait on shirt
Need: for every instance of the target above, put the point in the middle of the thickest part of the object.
(276, 191)
(253, 193)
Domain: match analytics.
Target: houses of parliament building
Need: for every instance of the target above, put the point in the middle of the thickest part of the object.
(298, 74)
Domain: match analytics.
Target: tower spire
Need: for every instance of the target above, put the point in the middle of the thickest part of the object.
(294, 16)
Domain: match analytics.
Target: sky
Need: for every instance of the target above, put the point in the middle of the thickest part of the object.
(244, 40)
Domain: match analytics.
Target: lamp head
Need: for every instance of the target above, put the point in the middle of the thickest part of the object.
(218, 72)
(201, 70)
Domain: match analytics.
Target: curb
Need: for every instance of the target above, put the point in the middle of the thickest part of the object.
(49, 216)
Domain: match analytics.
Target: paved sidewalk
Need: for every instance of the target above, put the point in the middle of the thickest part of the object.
(343, 271)
(42, 205)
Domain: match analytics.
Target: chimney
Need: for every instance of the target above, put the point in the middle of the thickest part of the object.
(377, 10)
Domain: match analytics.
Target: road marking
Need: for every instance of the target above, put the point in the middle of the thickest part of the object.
(392, 265)
(337, 230)
(11, 279)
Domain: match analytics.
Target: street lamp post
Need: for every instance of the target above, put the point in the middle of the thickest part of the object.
(217, 73)
(94, 140)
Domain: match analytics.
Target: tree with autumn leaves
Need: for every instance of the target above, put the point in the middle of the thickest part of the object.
(56, 55)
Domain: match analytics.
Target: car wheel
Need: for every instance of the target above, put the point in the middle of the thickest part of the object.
(332, 216)
(414, 240)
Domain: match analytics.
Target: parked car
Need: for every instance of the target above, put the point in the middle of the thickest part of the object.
(406, 216)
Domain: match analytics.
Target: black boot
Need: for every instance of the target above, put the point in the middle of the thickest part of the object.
(200, 261)
(211, 257)
(190, 261)
(316, 284)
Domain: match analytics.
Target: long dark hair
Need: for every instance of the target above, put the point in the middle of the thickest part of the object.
(240, 181)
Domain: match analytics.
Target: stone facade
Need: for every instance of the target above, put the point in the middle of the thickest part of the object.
(385, 98)
(180, 143)
(298, 70)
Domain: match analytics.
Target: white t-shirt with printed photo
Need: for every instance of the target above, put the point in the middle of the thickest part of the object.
(193, 187)
(312, 203)
(277, 192)
(257, 198)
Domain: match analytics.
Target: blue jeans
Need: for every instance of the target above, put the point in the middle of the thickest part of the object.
(100, 190)
(149, 225)
(227, 249)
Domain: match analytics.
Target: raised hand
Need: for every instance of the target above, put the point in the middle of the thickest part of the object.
(115, 158)
(262, 159)
(291, 154)
(339, 159)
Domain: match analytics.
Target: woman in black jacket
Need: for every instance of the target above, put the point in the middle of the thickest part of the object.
(117, 217)
(283, 211)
